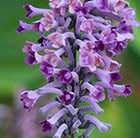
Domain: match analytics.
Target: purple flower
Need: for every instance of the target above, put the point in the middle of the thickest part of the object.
(33, 58)
(108, 36)
(108, 77)
(116, 90)
(85, 45)
(67, 97)
(115, 76)
(24, 27)
(88, 25)
(57, 40)
(46, 126)
(96, 92)
(81, 10)
(47, 22)
(30, 60)
(29, 98)
(65, 76)
(127, 91)
(120, 46)
(119, 5)
(52, 57)
(101, 4)
(47, 69)
(32, 11)
(74, 4)
(90, 60)
(125, 28)
(99, 45)
(56, 4)
(129, 16)
(111, 65)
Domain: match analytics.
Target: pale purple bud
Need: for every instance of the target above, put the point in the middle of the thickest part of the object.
(50, 123)
(60, 130)
(75, 76)
(48, 107)
(125, 28)
(48, 90)
(72, 110)
(53, 84)
(76, 124)
(103, 127)
(95, 106)
(37, 47)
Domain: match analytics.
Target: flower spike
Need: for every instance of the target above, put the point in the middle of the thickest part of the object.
(78, 42)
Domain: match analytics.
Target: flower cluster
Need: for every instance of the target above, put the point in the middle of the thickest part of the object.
(83, 37)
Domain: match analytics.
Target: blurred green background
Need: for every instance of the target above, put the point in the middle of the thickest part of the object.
(123, 114)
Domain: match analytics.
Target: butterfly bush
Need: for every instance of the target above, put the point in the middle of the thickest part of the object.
(79, 40)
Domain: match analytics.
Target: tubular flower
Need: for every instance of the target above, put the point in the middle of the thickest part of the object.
(83, 38)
